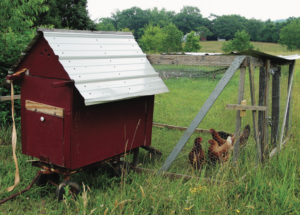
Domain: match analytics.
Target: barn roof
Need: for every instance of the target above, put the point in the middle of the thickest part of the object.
(105, 66)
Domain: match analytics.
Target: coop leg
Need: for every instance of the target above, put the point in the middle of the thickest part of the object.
(135, 160)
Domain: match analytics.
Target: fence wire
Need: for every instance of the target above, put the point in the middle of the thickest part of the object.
(208, 148)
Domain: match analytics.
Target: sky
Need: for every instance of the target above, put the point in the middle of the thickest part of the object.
(258, 9)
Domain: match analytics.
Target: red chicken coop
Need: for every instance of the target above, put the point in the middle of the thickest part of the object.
(85, 97)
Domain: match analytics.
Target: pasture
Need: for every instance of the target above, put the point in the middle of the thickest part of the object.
(273, 188)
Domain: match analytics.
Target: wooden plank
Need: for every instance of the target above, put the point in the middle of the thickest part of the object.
(254, 113)
(236, 145)
(206, 60)
(198, 130)
(201, 114)
(287, 105)
(261, 102)
(245, 107)
(43, 108)
(275, 106)
(265, 144)
(5, 98)
(243, 111)
(288, 118)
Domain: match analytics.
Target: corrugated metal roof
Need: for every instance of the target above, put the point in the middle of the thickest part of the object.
(105, 67)
(268, 56)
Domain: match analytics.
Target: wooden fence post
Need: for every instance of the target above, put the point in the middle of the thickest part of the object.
(275, 106)
(261, 102)
(265, 144)
(238, 117)
(254, 113)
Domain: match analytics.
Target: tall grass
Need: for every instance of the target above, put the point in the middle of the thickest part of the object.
(272, 188)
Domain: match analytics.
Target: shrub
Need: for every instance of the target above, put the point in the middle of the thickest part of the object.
(240, 42)
(192, 43)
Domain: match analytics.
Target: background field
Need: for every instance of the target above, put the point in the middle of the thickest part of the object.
(272, 188)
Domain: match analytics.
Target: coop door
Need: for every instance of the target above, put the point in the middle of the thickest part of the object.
(44, 132)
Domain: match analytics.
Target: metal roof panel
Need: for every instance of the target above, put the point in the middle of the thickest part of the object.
(105, 67)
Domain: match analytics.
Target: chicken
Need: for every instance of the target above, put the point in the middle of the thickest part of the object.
(245, 135)
(219, 153)
(221, 136)
(197, 155)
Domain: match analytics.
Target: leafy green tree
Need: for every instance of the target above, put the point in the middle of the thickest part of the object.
(16, 21)
(102, 27)
(153, 38)
(203, 31)
(254, 28)
(192, 43)
(172, 39)
(74, 15)
(160, 17)
(226, 26)
(188, 19)
(50, 17)
(240, 42)
(133, 18)
(290, 35)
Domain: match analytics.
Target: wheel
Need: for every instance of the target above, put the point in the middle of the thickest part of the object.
(121, 168)
(60, 190)
(43, 179)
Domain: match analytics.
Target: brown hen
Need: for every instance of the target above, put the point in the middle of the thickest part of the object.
(197, 155)
(219, 153)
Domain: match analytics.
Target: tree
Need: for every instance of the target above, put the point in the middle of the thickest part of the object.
(203, 31)
(16, 21)
(102, 27)
(254, 28)
(74, 15)
(156, 39)
(133, 18)
(241, 42)
(226, 26)
(188, 19)
(153, 38)
(192, 43)
(290, 35)
(160, 17)
(50, 17)
(172, 39)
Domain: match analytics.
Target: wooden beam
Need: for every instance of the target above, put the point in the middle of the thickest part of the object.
(43, 108)
(5, 98)
(289, 116)
(243, 111)
(275, 106)
(205, 60)
(238, 117)
(201, 114)
(287, 105)
(265, 144)
(254, 113)
(245, 107)
(198, 130)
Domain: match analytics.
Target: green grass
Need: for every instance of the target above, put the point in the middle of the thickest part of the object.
(272, 188)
